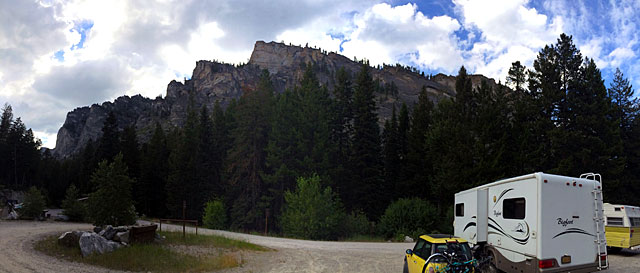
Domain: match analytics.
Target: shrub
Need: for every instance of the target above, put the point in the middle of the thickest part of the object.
(312, 212)
(357, 223)
(412, 217)
(111, 204)
(73, 208)
(215, 216)
(33, 205)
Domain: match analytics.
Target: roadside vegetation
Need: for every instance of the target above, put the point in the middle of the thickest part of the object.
(160, 257)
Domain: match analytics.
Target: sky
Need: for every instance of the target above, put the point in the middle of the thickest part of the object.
(58, 55)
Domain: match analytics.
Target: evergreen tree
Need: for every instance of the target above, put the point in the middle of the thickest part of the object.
(417, 181)
(150, 195)
(246, 159)
(73, 208)
(517, 76)
(392, 157)
(592, 142)
(365, 189)
(625, 104)
(221, 144)
(111, 203)
(182, 182)
(130, 149)
(110, 140)
(341, 130)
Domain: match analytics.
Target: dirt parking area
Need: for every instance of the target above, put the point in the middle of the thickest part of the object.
(625, 261)
(290, 255)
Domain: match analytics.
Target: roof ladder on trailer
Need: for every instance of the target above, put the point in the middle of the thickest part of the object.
(600, 241)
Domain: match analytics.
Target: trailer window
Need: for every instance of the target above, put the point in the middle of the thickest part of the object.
(460, 210)
(635, 221)
(616, 209)
(513, 208)
(614, 221)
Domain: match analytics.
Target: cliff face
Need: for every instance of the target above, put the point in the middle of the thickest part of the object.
(213, 82)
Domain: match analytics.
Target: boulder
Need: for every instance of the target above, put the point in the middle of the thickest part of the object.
(122, 237)
(70, 238)
(408, 239)
(93, 243)
(108, 232)
(97, 229)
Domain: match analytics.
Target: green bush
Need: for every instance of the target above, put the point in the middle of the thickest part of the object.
(215, 216)
(357, 223)
(111, 204)
(33, 205)
(412, 217)
(312, 212)
(73, 208)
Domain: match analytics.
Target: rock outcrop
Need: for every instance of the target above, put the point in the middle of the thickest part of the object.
(213, 82)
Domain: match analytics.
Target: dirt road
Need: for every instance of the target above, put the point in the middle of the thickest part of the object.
(17, 253)
(314, 256)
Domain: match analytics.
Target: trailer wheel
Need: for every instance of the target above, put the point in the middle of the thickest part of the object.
(491, 265)
(613, 249)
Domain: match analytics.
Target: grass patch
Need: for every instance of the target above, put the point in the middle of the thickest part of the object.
(209, 241)
(157, 257)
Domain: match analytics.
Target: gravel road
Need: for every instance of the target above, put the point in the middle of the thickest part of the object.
(17, 253)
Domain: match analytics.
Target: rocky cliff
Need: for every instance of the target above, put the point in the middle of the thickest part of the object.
(212, 81)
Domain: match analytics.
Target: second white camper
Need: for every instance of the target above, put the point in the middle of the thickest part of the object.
(536, 223)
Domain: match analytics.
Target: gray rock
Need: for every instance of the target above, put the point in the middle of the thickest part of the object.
(97, 229)
(408, 239)
(70, 238)
(121, 228)
(93, 243)
(122, 237)
(108, 232)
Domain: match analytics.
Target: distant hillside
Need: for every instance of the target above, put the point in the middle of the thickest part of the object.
(214, 81)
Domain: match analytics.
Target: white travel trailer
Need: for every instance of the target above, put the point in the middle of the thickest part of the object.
(535, 223)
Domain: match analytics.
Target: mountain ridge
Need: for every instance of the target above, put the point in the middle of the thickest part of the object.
(213, 82)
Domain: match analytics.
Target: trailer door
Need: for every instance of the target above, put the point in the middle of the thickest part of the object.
(483, 214)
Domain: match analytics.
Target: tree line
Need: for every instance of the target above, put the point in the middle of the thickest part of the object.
(261, 162)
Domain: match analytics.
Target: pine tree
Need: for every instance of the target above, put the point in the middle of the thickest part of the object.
(365, 189)
(110, 140)
(418, 170)
(625, 104)
(392, 157)
(246, 159)
(150, 194)
(182, 180)
(517, 76)
(341, 130)
(130, 149)
(111, 203)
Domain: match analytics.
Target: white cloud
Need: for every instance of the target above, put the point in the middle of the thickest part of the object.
(512, 32)
(386, 34)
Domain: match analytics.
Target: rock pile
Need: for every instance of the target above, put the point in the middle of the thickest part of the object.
(101, 240)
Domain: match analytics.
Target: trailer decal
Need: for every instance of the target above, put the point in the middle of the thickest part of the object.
(500, 231)
(470, 224)
(501, 195)
(573, 230)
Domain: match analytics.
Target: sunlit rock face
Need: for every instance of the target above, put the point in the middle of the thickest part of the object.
(213, 82)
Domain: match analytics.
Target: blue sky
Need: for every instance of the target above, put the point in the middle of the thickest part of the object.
(56, 55)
